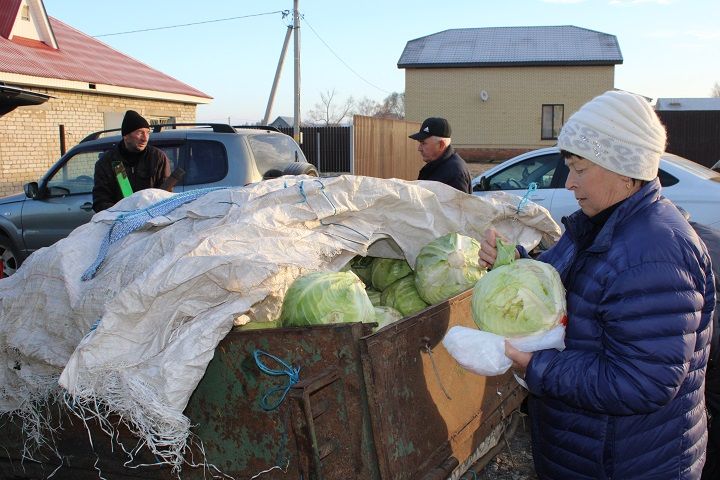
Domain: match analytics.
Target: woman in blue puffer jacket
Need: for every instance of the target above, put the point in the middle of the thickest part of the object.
(624, 400)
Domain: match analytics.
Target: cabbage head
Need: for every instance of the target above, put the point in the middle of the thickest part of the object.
(326, 297)
(386, 315)
(447, 266)
(518, 299)
(386, 271)
(402, 295)
(374, 296)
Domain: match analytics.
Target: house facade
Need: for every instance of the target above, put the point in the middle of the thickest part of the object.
(88, 86)
(506, 90)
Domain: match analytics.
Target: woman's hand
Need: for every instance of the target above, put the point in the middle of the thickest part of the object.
(488, 249)
(520, 359)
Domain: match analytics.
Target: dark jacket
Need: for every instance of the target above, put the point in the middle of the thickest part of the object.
(624, 400)
(146, 169)
(450, 169)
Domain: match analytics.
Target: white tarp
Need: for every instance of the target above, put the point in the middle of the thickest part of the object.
(169, 292)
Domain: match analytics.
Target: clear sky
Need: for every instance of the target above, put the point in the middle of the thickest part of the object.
(671, 48)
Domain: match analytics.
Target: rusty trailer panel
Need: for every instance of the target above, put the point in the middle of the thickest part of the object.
(428, 414)
(390, 405)
(326, 411)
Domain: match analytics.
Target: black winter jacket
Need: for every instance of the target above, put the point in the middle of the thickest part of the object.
(146, 169)
(449, 169)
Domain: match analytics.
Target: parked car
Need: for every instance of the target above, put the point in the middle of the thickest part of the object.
(689, 185)
(212, 155)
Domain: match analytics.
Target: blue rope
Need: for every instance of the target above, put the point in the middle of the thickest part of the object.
(292, 373)
(128, 222)
(523, 201)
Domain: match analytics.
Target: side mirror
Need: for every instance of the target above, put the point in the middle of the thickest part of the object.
(483, 185)
(31, 190)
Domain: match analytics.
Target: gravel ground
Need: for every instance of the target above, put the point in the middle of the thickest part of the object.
(514, 462)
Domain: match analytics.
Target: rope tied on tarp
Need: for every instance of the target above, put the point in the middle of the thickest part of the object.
(128, 222)
(526, 198)
(293, 374)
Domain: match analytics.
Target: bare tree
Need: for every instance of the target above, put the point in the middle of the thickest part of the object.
(393, 106)
(367, 107)
(330, 110)
(715, 92)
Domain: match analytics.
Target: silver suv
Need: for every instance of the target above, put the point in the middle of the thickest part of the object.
(212, 155)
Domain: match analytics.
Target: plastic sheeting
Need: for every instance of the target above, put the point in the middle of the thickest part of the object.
(138, 336)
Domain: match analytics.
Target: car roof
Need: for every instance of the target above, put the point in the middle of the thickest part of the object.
(670, 162)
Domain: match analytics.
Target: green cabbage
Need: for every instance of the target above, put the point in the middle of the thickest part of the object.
(326, 297)
(386, 271)
(403, 296)
(374, 296)
(386, 315)
(447, 266)
(518, 299)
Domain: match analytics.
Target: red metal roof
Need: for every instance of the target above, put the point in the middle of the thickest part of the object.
(81, 58)
(8, 16)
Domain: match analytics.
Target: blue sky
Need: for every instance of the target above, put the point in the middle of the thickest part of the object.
(670, 47)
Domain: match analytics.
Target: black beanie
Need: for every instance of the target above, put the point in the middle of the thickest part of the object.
(132, 122)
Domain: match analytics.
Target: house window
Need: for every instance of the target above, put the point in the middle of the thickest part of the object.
(552, 121)
(25, 13)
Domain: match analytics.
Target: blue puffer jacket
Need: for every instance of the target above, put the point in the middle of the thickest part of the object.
(624, 400)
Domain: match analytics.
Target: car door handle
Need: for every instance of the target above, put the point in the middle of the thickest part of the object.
(87, 206)
(535, 198)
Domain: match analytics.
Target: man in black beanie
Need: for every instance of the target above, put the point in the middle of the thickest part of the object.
(130, 166)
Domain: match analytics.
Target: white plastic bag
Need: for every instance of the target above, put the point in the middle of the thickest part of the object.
(484, 353)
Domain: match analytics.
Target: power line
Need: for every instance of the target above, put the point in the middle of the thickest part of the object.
(284, 12)
(302, 17)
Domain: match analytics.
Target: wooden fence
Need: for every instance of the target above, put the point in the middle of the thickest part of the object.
(374, 147)
(382, 148)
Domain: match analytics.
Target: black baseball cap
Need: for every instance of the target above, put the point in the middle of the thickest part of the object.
(432, 127)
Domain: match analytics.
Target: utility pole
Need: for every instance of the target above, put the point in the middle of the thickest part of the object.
(278, 71)
(296, 27)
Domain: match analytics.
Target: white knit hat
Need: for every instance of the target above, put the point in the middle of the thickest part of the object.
(618, 131)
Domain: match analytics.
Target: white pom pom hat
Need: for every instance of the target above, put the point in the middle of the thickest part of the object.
(618, 131)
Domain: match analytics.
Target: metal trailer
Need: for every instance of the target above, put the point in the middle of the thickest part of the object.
(386, 405)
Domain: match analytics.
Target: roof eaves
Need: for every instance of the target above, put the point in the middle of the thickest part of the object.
(540, 63)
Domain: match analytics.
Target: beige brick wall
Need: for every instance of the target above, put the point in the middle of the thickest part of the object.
(30, 138)
(511, 116)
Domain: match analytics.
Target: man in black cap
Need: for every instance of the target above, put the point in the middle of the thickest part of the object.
(442, 163)
(130, 166)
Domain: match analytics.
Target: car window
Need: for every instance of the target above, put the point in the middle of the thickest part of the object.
(518, 176)
(666, 179)
(76, 175)
(272, 151)
(206, 162)
(173, 153)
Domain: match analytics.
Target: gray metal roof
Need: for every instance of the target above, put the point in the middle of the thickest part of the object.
(687, 104)
(512, 46)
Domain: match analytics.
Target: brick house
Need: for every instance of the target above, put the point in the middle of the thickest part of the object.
(506, 90)
(86, 84)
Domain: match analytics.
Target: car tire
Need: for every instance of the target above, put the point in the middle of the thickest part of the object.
(301, 168)
(9, 256)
